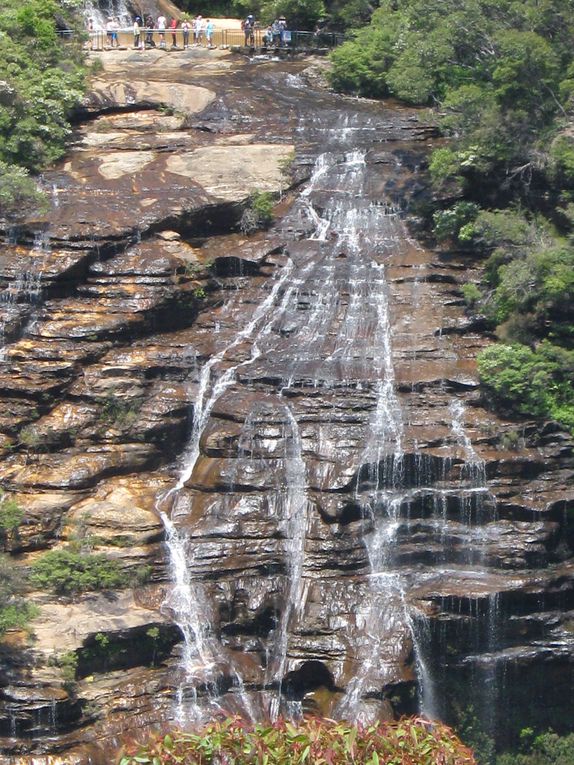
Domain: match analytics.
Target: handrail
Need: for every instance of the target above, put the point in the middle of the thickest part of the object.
(221, 38)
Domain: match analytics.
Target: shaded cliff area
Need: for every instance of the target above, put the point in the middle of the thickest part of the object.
(360, 536)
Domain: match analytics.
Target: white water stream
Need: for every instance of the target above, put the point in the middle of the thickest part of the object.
(25, 289)
(334, 294)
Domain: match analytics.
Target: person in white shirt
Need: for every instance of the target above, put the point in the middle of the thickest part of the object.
(185, 28)
(161, 25)
(199, 29)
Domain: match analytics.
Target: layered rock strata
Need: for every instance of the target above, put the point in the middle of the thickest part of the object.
(361, 535)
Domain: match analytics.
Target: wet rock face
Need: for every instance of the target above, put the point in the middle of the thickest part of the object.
(359, 536)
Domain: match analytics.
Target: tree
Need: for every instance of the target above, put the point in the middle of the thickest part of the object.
(41, 82)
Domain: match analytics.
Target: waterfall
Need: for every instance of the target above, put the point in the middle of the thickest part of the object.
(295, 514)
(25, 289)
(363, 232)
(101, 10)
(186, 601)
(325, 325)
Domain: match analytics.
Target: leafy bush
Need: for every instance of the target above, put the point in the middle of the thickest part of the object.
(546, 749)
(471, 293)
(67, 662)
(448, 223)
(258, 213)
(67, 572)
(41, 82)
(537, 383)
(300, 14)
(11, 514)
(409, 742)
(19, 194)
(542, 283)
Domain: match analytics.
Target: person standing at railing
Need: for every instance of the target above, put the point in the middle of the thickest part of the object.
(112, 32)
(282, 29)
(96, 35)
(248, 27)
(161, 25)
(173, 27)
(209, 27)
(149, 23)
(185, 28)
(276, 33)
(137, 32)
(199, 29)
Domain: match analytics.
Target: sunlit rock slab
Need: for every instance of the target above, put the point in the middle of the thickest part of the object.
(69, 624)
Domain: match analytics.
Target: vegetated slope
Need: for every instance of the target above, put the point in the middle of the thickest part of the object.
(41, 81)
(501, 76)
(409, 741)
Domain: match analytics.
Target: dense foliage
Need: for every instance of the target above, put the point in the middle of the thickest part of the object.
(300, 14)
(11, 515)
(314, 741)
(41, 81)
(501, 76)
(545, 749)
(67, 572)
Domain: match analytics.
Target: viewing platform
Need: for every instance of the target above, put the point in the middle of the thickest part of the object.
(297, 41)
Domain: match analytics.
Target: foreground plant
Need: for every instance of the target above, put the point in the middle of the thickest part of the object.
(315, 741)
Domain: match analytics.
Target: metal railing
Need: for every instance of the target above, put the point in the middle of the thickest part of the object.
(101, 39)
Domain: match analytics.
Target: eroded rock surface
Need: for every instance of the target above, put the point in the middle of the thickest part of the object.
(302, 402)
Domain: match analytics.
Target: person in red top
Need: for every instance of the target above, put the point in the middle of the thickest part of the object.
(173, 27)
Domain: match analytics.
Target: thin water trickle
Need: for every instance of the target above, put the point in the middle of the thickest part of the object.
(294, 527)
(26, 289)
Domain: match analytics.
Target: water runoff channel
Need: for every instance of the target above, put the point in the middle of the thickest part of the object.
(335, 264)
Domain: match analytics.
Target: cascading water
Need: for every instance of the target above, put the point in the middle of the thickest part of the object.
(98, 12)
(186, 601)
(326, 326)
(294, 514)
(25, 290)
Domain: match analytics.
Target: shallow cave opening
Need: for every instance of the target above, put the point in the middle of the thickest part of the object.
(311, 675)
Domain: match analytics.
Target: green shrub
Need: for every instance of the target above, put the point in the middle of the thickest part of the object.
(42, 79)
(16, 616)
(528, 382)
(448, 223)
(408, 742)
(120, 413)
(19, 194)
(11, 514)
(446, 171)
(562, 158)
(471, 294)
(67, 662)
(546, 749)
(258, 212)
(67, 572)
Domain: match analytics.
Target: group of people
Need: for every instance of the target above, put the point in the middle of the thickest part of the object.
(275, 35)
(198, 30)
(195, 32)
